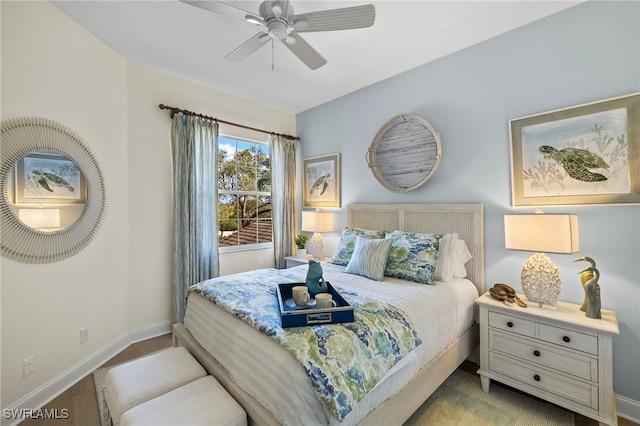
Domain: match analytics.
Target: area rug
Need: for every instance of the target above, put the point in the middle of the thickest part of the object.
(98, 382)
(459, 401)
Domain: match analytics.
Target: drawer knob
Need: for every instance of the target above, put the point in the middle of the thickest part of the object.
(536, 378)
(509, 324)
(566, 339)
(536, 353)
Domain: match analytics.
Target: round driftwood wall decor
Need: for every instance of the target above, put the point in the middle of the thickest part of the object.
(405, 153)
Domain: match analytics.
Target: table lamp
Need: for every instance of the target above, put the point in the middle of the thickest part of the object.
(316, 222)
(549, 233)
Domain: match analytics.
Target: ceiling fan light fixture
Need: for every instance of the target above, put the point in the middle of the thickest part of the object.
(276, 10)
(278, 30)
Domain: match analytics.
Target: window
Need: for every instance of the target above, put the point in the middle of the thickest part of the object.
(244, 194)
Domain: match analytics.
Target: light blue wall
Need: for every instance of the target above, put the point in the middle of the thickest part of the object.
(586, 53)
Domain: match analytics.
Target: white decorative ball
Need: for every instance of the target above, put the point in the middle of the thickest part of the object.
(540, 280)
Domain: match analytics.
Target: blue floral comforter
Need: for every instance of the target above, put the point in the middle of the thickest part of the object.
(343, 361)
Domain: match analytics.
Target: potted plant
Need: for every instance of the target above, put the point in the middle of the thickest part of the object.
(301, 243)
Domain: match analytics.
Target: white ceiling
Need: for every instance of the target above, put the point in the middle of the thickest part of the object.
(189, 42)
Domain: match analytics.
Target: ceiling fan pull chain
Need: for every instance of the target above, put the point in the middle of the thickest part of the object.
(272, 56)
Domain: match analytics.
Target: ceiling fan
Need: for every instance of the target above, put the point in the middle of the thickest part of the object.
(281, 23)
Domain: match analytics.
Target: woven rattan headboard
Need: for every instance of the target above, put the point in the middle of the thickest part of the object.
(466, 220)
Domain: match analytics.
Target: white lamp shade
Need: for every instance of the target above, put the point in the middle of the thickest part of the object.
(317, 221)
(40, 218)
(542, 233)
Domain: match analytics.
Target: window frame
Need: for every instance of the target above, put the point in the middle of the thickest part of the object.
(243, 247)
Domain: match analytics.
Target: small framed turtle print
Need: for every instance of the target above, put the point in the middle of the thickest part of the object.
(585, 154)
(321, 181)
(49, 178)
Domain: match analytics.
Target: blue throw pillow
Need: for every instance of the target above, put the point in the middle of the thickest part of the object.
(413, 256)
(347, 243)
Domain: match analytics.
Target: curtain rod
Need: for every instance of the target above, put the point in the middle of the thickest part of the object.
(217, 120)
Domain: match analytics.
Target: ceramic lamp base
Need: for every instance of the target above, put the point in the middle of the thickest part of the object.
(540, 280)
(315, 246)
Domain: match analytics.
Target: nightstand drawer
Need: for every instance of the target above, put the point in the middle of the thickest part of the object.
(512, 324)
(570, 339)
(582, 393)
(545, 355)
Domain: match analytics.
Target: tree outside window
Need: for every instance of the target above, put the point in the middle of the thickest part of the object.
(244, 193)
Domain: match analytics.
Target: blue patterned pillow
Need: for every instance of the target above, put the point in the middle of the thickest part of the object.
(347, 243)
(369, 258)
(413, 256)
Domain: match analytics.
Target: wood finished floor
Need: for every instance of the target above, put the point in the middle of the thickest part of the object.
(80, 400)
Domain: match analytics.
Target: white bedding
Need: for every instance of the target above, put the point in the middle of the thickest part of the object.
(440, 313)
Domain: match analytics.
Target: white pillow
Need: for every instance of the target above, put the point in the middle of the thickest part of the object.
(446, 258)
(462, 256)
(369, 258)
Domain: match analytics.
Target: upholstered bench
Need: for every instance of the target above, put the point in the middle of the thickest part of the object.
(201, 403)
(145, 378)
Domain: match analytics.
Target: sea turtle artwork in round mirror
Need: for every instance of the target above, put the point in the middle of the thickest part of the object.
(404, 153)
(53, 195)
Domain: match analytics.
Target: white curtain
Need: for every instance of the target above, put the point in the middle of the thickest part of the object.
(283, 197)
(195, 201)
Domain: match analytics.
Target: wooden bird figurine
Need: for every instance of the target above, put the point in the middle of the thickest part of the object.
(592, 289)
(585, 276)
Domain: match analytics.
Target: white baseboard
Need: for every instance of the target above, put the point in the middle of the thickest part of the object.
(47, 392)
(628, 409)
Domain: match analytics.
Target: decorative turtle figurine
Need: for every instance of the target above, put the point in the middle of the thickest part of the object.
(577, 162)
(315, 283)
(506, 293)
(47, 180)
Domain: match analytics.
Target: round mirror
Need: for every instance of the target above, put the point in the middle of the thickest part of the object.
(405, 153)
(53, 197)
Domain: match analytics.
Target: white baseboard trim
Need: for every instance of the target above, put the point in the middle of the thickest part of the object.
(628, 408)
(47, 392)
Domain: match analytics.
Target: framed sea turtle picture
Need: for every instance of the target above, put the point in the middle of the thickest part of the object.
(321, 181)
(585, 154)
(49, 178)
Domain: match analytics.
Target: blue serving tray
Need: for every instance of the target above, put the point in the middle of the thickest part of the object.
(296, 317)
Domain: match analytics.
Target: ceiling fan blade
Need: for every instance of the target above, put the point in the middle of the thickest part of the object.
(223, 9)
(335, 19)
(303, 50)
(249, 46)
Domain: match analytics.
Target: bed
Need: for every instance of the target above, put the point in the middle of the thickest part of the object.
(273, 388)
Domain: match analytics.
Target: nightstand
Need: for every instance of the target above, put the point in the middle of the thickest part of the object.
(557, 354)
(297, 261)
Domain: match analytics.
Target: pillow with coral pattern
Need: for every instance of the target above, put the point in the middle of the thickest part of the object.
(413, 256)
(347, 243)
